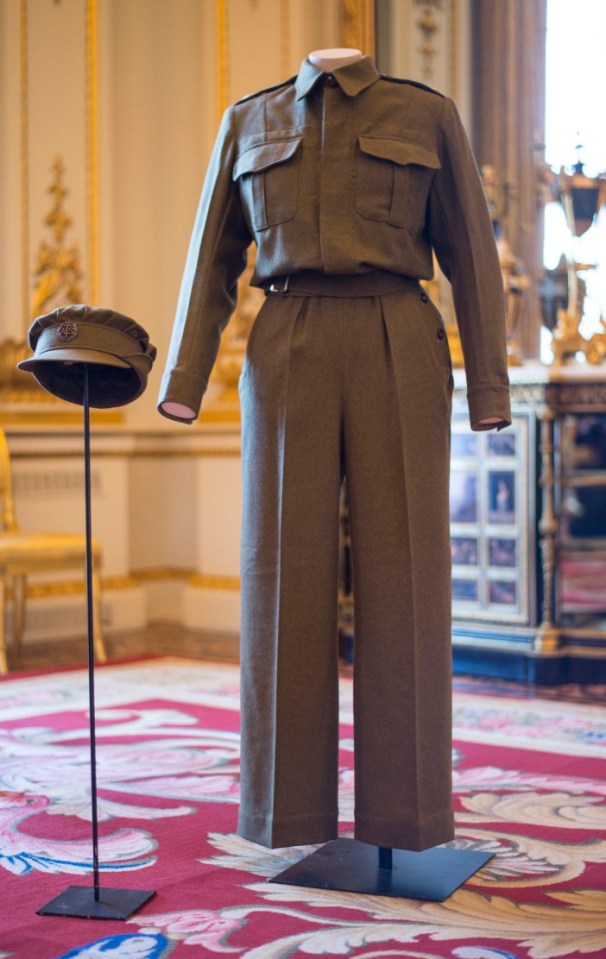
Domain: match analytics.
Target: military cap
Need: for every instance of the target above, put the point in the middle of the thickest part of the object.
(114, 348)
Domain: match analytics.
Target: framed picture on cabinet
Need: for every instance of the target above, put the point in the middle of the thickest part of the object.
(465, 590)
(502, 592)
(463, 496)
(501, 444)
(490, 522)
(502, 552)
(502, 496)
(464, 445)
(464, 550)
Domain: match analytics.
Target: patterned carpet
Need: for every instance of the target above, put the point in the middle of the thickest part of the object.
(530, 786)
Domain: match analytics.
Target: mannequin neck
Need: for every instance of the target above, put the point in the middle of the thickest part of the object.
(328, 60)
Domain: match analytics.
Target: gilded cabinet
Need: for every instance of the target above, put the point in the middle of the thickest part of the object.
(528, 531)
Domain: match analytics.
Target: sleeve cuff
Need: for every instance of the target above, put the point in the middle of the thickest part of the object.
(489, 402)
(180, 386)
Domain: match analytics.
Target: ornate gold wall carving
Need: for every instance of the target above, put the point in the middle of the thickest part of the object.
(428, 26)
(57, 267)
(53, 274)
(58, 279)
(90, 174)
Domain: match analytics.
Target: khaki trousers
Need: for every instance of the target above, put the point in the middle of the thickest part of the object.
(361, 387)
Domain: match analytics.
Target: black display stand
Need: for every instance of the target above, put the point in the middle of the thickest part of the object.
(353, 866)
(80, 901)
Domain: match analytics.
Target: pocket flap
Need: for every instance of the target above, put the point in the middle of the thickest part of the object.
(264, 155)
(399, 151)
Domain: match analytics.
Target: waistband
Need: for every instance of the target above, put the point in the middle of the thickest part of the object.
(314, 283)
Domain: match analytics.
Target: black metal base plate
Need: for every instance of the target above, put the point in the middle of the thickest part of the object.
(80, 902)
(353, 866)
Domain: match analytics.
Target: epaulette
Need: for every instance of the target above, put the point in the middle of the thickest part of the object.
(258, 93)
(412, 83)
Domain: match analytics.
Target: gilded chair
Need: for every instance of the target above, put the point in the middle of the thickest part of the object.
(23, 553)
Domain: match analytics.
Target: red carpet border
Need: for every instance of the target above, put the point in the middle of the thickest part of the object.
(530, 786)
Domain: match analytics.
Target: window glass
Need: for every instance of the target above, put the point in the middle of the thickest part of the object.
(574, 130)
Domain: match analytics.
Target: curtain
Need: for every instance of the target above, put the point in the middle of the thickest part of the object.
(509, 130)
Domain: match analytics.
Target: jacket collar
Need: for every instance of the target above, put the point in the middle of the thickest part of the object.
(352, 78)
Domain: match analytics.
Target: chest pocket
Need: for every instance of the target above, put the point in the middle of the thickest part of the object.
(269, 181)
(392, 180)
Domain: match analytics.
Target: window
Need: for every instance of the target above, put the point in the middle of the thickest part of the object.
(575, 55)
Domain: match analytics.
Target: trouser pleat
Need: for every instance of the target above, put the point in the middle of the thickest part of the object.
(397, 461)
(289, 585)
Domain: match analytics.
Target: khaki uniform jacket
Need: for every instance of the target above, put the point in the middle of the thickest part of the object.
(342, 173)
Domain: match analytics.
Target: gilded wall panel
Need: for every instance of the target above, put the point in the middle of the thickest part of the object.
(55, 112)
(48, 176)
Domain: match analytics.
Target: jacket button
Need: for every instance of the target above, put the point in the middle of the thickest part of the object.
(424, 297)
(441, 334)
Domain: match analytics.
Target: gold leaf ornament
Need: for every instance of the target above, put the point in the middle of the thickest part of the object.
(557, 809)
(524, 861)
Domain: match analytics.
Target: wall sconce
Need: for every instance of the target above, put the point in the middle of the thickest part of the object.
(581, 197)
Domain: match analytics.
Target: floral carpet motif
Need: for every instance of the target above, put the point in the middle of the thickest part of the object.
(529, 786)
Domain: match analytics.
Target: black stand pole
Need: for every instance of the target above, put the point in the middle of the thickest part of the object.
(80, 901)
(353, 866)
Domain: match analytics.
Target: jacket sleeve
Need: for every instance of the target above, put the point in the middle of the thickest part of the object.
(463, 239)
(216, 258)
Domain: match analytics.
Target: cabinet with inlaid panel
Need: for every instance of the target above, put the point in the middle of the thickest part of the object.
(528, 528)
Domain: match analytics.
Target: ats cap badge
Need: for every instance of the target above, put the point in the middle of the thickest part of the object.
(68, 330)
(115, 349)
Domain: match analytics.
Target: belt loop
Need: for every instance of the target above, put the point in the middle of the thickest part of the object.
(279, 286)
